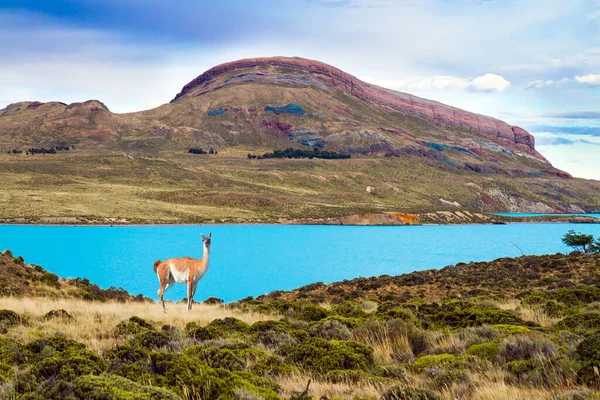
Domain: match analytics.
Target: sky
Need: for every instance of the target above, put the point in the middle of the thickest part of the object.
(532, 63)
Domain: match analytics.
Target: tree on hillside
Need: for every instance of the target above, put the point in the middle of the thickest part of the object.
(581, 242)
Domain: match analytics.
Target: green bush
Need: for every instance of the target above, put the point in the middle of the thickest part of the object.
(194, 331)
(50, 279)
(218, 357)
(69, 364)
(512, 329)
(229, 326)
(310, 312)
(486, 351)
(108, 386)
(579, 322)
(176, 371)
(132, 326)
(9, 318)
(11, 351)
(430, 361)
(129, 361)
(271, 366)
(153, 340)
(6, 373)
(589, 356)
(401, 392)
(319, 355)
(349, 309)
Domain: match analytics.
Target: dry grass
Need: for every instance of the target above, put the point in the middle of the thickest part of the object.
(536, 315)
(348, 390)
(94, 322)
(385, 342)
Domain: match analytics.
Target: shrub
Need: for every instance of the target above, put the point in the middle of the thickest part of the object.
(401, 392)
(152, 339)
(11, 351)
(50, 279)
(486, 351)
(310, 312)
(108, 386)
(69, 364)
(9, 318)
(443, 378)
(38, 349)
(128, 361)
(271, 366)
(430, 361)
(320, 356)
(217, 357)
(479, 334)
(349, 309)
(352, 377)
(61, 314)
(229, 325)
(579, 322)
(331, 329)
(213, 301)
(526, 346)
(132, 326)
(589, 355)
(512, 329)
(6, 373)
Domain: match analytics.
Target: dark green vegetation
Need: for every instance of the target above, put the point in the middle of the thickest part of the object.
(296, 153)
(529, 326)
(20, 280)
(582, 242)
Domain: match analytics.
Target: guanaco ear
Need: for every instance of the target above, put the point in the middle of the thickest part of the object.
(202, 236)
(210, 235)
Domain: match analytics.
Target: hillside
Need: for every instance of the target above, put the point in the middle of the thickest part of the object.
(19, 279)
(417, 155)
(512, 328)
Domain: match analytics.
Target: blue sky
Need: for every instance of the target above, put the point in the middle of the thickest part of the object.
(534, 63)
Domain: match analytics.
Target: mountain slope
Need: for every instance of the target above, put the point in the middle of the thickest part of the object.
(419, 155)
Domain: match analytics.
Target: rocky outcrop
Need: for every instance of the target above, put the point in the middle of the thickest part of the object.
(326, 76)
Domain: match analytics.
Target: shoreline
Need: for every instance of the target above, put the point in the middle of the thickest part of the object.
(436, 218)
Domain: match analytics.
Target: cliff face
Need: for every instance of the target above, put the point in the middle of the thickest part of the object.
(305, 72)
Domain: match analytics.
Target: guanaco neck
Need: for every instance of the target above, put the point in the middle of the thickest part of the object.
(206, 256)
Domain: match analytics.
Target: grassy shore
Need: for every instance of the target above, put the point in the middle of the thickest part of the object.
(178, 187)
(519, 328)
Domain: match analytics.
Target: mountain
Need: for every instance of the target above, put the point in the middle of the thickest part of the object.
(415, 154)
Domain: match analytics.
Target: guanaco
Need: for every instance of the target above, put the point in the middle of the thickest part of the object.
(182, 270)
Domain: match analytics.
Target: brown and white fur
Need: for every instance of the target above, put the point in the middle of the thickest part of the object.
(182, 270)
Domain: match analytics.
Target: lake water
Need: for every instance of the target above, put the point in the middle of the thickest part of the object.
(544, 215)
(249, 260)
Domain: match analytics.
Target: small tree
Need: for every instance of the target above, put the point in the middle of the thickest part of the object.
(581, 242)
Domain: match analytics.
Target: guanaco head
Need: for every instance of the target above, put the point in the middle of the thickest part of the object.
(206, 239)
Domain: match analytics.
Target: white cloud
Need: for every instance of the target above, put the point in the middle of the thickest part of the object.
(489, 83)
(593, 79)
(594, 16)
(485, 83)
(540, 84)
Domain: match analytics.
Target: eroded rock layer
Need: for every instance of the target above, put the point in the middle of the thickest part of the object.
(327, 77)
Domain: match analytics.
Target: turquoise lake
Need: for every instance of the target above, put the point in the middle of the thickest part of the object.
(249, 260)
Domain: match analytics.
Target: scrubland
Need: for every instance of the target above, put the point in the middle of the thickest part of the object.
(534, 334)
